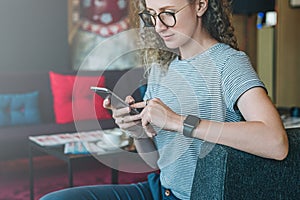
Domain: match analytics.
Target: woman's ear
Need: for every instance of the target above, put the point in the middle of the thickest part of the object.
(201, 6)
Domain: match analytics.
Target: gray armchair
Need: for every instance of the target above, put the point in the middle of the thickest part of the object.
(226, 173)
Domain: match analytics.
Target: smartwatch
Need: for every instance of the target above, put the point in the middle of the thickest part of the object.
(189, 124)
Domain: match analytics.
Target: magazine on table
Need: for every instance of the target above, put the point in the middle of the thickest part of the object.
(99, 141)
(63, 138)
(98, 147)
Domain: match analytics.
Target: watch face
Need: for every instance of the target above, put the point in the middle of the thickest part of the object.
(189, 124)
(191, 120)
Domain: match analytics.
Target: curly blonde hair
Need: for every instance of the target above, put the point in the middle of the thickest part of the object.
(216, 20)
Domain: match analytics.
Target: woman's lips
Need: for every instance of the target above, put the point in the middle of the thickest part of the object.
(166, 37)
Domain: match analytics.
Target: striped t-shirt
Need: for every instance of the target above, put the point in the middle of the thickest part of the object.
(208, 86)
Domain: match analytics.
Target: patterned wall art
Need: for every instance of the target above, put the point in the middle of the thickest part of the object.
(93, 38)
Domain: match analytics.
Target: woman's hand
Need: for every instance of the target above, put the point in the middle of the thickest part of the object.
(157, 113)
(124, 120)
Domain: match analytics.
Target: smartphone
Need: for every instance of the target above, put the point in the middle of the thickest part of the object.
(115, 100)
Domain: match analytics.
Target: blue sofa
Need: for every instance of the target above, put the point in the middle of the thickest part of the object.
(226, 173)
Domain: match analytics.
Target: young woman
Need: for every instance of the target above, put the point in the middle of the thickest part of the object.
(201, 91)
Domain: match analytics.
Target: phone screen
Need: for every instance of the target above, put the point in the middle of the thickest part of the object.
(115, 100)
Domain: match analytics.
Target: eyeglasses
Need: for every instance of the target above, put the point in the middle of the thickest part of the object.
(166, 17)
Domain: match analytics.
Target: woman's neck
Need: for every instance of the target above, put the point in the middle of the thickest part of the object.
(200, 42)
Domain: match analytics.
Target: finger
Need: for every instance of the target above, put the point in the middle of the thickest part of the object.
(141, 104)
(120, 112)
(119, 120)
(149, 134)
(127, 126)
(135, 117)
(130, 100)
(146, 117)
(145, 123)
(150, 131)
(106, 103)
(126, 119)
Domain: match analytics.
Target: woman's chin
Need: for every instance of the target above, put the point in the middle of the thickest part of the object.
(171, 45)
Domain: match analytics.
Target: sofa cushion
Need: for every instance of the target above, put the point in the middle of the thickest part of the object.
(74, 101)
(12, 82)
(20, 108)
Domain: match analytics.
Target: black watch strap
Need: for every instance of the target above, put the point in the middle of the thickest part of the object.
(189, 124)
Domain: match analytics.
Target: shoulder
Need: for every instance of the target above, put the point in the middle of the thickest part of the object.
(224, 52)
(228, 58)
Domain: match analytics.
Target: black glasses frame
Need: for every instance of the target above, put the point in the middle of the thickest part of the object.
(152, 23)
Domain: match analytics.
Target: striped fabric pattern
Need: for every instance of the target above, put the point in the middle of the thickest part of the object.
(207, 85)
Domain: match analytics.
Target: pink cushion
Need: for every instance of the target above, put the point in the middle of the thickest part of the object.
(74, 101)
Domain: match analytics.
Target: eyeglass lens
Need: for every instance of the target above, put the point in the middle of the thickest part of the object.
(166, 18)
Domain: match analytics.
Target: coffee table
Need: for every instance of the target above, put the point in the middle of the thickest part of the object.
(58, 152)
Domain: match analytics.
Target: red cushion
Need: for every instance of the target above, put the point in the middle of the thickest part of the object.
(74, 101)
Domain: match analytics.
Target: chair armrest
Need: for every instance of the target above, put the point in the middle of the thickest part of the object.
(227, 173)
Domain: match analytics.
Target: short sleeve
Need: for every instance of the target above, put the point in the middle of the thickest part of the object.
(238, 77)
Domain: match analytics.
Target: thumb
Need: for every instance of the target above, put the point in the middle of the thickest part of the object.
(106, 103)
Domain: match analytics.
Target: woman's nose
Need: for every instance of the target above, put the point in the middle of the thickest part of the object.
(159, 26)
